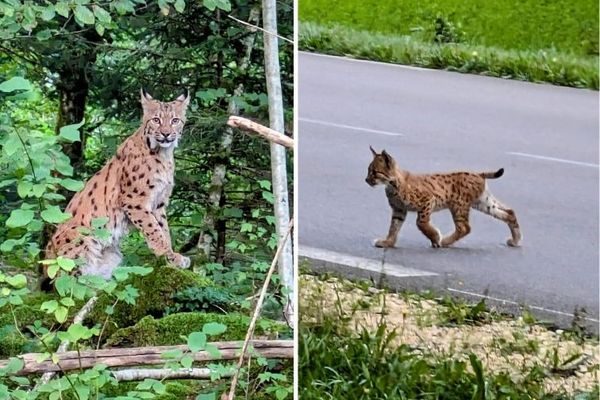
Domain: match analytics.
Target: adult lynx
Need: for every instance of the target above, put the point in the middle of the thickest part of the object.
(133, 188)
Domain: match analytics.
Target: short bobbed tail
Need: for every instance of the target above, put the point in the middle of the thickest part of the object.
(493, 175)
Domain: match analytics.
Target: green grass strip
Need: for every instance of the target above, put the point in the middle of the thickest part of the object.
(543, 66)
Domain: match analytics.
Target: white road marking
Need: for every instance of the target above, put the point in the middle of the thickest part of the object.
(351, 127)
(361, 263)
(481, 296)
(358, 60)
(562, 160)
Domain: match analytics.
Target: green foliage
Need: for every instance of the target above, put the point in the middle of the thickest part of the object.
(210, 299)
(171, 329)
(530, 25)
(35, 170)
(460, 312)
(154, 296)
(336, 363)
(549, 65)
(89, 59)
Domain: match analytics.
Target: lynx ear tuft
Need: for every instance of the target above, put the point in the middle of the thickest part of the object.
(145, 95)
(372, 151)
(184, 97)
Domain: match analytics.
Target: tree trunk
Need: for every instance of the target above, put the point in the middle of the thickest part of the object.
(73, 88)
(216, 196)
(278, 159)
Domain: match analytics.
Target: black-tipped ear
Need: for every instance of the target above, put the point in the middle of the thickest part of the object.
(145, 94)
(389, 161)
(184, 97)
(373, 151)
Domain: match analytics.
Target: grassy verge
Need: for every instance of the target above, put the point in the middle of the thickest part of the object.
(565, 25)
(550, 66)
(361, 343)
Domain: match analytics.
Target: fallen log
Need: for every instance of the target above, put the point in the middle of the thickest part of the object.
(267, 133)
(135, 356)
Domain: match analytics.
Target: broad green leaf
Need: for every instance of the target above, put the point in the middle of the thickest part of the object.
(54, 215)
(197, 341)
(15, 83)
(84, 16)
(224, 5)
(101, 14)
(17, 281)
(264, 184)
(19, 218)
(123, 6)
(61, 314)
(179, 5)
(164, 7)
(99, 29)
(62, 8)
(63, 284)
(14, 364)
(246, 227)
(43, 35)
(65, 263)
(72, 184)
(24, 188)
(214, 328)
(187, 361)
(38, 190)
(213, 350)
(210, 4)
(268, 196)
(8, 245)
(67, 302)
(71, 132)
(52, 270)
(49, 306)
(48, 13)
(281, 393)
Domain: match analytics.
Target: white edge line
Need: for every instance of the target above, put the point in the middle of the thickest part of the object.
(362, 263)
(562, 160)
(358, 60)
(355, 128)
(517, 304)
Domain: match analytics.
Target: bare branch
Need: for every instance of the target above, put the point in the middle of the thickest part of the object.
(261, 29)
(252, 127)
(126, 375)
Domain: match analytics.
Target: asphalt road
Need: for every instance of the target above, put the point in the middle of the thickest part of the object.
(546, 138)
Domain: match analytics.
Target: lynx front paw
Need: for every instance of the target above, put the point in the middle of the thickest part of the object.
(178, 260)
(383, 243)
(512, 243)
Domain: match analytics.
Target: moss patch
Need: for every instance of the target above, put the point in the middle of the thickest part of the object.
(155, 295)
(168, 330)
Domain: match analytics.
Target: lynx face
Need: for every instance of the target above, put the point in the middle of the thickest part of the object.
(163, 122)
(381, 170)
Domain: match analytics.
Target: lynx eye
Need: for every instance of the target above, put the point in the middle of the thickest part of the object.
(175, 121)
(156, 120)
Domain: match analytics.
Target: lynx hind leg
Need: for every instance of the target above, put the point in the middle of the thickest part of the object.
(489, 205)
(461, 224)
